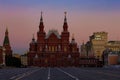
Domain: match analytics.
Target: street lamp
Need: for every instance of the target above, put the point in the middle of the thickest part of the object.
(3, 56)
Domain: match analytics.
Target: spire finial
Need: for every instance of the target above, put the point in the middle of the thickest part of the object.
(65, 20)
(41, 17)
(6, 32)
(6, 29)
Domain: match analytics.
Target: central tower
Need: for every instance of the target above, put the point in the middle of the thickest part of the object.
(65, 35)
(41, 36)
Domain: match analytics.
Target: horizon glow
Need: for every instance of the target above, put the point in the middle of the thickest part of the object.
(83, 16)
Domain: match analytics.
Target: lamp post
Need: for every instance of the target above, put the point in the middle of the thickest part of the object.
(4, 56)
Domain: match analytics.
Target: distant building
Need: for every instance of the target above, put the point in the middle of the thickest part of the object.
(111, 57)
(112, 53)
(24, 61)
(53, 49)
(16, 55)
(87, 58)
(83, 50)
(97, 44)
(113, 45)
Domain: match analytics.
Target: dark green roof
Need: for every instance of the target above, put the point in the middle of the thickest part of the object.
(6, 40)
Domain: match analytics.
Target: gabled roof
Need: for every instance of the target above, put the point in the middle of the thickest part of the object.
(54, 32)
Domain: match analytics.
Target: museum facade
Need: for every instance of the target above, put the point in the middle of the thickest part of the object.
(53, 49)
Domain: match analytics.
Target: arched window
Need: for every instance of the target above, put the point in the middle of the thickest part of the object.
(53, 49)
(65, 49)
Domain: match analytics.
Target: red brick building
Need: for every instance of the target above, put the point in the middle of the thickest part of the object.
(6, 44)
(53, 49)
(6, 48)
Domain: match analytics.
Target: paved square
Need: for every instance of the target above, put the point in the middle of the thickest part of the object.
(71, 73)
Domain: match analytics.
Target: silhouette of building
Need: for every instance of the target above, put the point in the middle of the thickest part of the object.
(83, 50)
(5, 50)
(6, 44)
(53, 49)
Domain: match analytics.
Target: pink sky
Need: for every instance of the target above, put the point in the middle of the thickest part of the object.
(23, 23)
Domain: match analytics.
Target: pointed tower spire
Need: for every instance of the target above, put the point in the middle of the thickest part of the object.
(65, 26)
(65, 19)
(6, 44)
(6, 38)
(41, 25)
(41, 19)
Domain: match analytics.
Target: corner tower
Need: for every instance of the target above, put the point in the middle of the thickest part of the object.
(41, 35)
(65, 35)
(6, 44)
(41, 25)
(65, 25)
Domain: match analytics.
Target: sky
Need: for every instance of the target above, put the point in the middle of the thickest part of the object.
(84, 17)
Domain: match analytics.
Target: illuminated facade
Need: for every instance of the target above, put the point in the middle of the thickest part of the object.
(113, 45)
(98, 41)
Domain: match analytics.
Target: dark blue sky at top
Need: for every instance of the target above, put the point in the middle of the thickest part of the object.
(64, 4)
